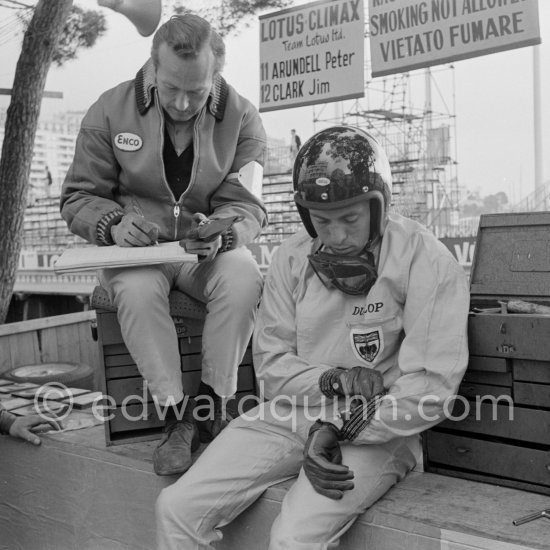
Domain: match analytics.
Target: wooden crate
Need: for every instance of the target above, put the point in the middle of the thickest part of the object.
(137, 419)
(62, 338)
(504, 437)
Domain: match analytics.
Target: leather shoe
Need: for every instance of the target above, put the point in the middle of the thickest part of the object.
(173, 454)
(211, 427)
(217, 417)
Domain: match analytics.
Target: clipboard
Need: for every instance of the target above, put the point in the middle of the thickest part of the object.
(88, 258)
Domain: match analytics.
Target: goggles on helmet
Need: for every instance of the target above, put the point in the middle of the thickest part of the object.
(352, 275)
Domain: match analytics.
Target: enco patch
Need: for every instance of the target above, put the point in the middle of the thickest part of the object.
(367, 344)
(126, 141)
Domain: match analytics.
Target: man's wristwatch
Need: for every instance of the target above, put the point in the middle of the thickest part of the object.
(329, 382)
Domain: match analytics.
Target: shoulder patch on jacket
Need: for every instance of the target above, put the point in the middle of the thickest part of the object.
(126, 141)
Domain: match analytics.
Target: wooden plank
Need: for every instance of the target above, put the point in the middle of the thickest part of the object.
(88, 346)
(124, 388)
(514, 423)
(488, 478)
(191, 362)
(515, 336)
(453, 540)
(498, 459)
(111, 516)
(531, 371)
(68, 343)
(89, 351)
(423, 512)
(190, 344)
(537, 395)
(489, 378)
(473, 391)
(108, 329)
(487, 364)
(118, 360)
(49, 345)
(120, 389)
(125, 371)
(115, 349)
(46, 322)
(23, 349)
(135, 417)
(187, 327)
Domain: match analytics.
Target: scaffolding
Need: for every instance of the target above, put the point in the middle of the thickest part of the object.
(418, 133)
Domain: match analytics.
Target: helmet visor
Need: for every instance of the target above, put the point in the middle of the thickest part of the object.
(352, 275)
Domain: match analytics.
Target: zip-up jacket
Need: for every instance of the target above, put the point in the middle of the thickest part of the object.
(411, 327)
(118, 164)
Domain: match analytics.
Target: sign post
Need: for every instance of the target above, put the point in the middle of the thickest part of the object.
(312, 54)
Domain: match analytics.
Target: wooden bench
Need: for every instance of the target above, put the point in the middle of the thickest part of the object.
(74, 492)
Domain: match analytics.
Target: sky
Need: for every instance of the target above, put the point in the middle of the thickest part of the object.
(492, 100)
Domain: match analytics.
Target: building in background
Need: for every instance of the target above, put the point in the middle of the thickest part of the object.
(53, 152)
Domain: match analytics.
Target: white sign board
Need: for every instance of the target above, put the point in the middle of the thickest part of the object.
(312, 53)
(410, 34)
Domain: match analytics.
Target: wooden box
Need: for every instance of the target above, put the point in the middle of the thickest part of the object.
(137, 419)
(503, 436)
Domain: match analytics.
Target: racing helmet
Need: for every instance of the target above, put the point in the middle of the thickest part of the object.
(337, 167)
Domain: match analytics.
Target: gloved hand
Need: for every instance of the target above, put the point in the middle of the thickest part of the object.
(193, 244)
(205, 235)
(323, 462)
(134, 230)
(358, 381)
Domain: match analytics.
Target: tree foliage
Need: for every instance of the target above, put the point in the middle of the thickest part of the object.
(81, 30)
(228, 16)
(490, 204)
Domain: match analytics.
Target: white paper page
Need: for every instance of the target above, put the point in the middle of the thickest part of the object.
(97, 257)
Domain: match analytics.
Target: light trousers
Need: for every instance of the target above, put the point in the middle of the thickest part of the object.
(230, 286)
(251, 455)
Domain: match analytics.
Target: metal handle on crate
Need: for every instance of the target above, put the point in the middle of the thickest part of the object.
(531, 517)
(462, 450)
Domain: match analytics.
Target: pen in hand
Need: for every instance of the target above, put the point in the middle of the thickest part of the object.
(134, 229)
(151, 232)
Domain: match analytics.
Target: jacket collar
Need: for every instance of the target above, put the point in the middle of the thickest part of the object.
(144, 85)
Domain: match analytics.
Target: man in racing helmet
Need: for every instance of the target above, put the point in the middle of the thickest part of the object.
(342, 168)
(360, 340)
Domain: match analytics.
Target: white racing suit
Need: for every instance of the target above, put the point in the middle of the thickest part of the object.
(411, 327)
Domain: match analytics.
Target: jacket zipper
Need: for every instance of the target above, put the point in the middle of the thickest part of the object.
(177, 209)
(176, 204)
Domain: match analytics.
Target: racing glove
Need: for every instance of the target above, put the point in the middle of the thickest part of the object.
(354, 382)
(207, 237)
(323, 462)
(134, 230)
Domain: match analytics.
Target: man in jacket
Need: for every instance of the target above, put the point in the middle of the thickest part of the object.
(157, 159)
(359, 344)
